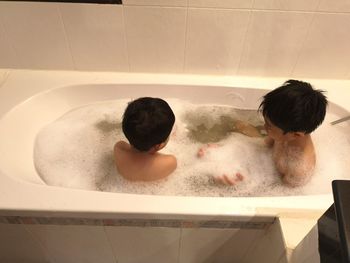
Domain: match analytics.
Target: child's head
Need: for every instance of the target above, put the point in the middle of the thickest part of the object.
(294, 107)
(147, 122)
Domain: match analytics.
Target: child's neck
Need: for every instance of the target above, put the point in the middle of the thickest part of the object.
(300, 141)
(152, 151)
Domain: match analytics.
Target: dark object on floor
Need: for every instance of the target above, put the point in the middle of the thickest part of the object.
(334, 226)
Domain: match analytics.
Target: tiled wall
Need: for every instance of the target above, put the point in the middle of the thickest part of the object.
(288, 38)
(110, 244)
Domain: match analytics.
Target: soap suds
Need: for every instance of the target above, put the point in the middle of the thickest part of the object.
(77, 151)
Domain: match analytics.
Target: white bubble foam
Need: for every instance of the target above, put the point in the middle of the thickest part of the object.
(77, 151)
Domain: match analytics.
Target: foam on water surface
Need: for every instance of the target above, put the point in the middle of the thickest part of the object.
(77, 151)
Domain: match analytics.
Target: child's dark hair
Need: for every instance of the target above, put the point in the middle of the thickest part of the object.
(295, 107)
(147, 122)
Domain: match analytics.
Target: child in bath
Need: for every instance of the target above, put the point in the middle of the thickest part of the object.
(291, 112)
(147, 124)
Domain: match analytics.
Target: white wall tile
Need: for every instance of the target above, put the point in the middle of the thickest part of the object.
(215, 40)
(221, 3)
(144, 244)
(155, 38)
(301, 5)
(216, 245)
(74, 244)
(334, 6)
(8, 58)
(96, 36)
(273, 42)
(326, 50)
(36, 32)
(17, 245)
(156, 2)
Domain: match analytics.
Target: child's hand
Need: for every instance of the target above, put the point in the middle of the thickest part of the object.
(203, 150)
(227, 180)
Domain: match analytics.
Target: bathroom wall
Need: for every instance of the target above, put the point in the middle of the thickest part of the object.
(288, 38)
(109, 244)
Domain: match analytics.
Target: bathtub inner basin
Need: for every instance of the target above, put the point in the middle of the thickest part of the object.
(65, 137)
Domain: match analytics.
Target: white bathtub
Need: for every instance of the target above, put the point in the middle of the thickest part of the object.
(31, 99)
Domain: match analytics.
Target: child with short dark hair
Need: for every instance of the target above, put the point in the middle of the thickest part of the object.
(147, 124)
(291, 112)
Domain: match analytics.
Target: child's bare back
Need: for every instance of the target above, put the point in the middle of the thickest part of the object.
(134, 165)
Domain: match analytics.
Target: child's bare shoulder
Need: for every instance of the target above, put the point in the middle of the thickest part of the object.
(167, 161)
(162, 166)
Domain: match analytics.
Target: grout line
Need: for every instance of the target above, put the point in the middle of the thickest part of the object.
(252, 6)
(253, 244)
(110, 244)
(180, 245)
(247, 8)
(318, 6)
(42, 246)
(250, 21)
(303, 44)
(126, 39)
(301, 11)
(185, 44)
(155, 6)
(66, 37)
(167, 6)
(6, 76)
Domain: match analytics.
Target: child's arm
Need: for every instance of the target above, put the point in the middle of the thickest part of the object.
(298, 170)
(298, 174)
(299, 166)
(246, 129)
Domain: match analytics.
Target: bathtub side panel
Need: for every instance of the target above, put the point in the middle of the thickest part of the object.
(74, 244)
(18, 245)
(207, 245)
(144, 244)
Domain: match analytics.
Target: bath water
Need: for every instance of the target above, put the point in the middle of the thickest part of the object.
(77, 151)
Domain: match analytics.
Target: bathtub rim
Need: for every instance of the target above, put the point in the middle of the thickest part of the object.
(12, 202)
(77, 203)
